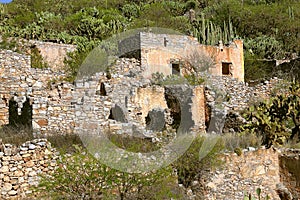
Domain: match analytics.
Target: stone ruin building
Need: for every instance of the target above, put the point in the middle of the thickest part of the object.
(168, 54)
(125, 100)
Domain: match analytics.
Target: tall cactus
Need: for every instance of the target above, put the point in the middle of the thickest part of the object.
(209, 33)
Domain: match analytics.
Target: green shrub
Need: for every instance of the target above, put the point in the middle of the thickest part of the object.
(238, 151)
(81, 176)
(64, 143)
(190, 167)
(37, 60)
(160, 79)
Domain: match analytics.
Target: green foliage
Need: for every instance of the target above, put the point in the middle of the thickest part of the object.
(176, 8)
(160, 79)
(9, 44)
(191, 4)
(277, 119)
(131, 11)
(236, 142)
(238, 151)
(189, 167)
(64, 143)
(133, 144)
(76, 58)
(207, 32)
(252, 19)
(265, 47)
(257, 69)
(258, 193)
(81, 176)
(194, 80)
(37, 60)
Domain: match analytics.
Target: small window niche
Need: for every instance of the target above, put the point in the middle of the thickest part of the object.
(102, 90)
(175, 69)
(226, 68)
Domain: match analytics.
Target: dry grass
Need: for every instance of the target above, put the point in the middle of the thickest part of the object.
(15, 135)
(233, 141)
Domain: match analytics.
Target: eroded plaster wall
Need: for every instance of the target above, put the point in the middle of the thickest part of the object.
(150, 98)
(158, 51)
(53, 54)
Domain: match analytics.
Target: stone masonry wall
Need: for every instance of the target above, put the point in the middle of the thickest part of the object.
(56, 104)
(20, 82)
(290, 171)
(59, 106)
(243, 175)
(274, 171)
(20, 167)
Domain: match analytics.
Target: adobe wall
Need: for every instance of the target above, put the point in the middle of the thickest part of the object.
(158, 51)
(53, 54)
(228, 54)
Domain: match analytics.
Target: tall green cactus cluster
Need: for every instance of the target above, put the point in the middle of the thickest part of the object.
(209, 33)
(291, 13)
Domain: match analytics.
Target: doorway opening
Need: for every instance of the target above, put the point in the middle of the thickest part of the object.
(20, 120)
(175, 69)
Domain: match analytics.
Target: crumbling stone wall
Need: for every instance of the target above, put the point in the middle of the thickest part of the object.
(56, 105)
(20, 82)
(20, 167)
(59, 106)
(290, 171)
(274, 171)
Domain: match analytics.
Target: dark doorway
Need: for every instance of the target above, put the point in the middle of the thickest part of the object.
(175, 110)
(102, 90)
(226, 68)
(22, 120)
(175, 69)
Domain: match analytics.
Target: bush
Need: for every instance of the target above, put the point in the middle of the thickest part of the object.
(81, 176)
(190, 167)
(37, 60)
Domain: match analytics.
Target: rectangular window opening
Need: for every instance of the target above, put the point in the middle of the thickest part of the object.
(226, 68)
(175, 69)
